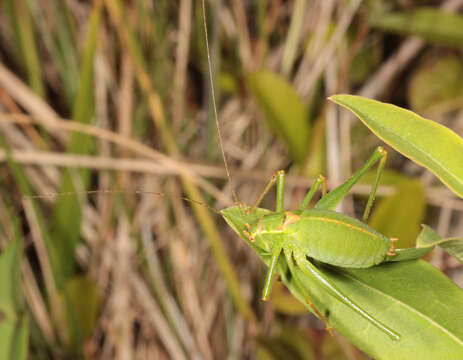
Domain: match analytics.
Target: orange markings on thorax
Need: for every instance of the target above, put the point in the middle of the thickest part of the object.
(290, 218)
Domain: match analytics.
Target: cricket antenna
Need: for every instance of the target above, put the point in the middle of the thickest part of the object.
(106, 192)
(216, 117)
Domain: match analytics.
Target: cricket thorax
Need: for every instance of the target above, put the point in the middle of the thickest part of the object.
(273, 228)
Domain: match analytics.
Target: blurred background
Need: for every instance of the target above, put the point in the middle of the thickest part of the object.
(113, 97)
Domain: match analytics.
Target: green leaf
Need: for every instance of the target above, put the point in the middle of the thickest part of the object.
(14, 327)
(431, 24)
(429, 144)
(285, 111)
(426, 313)
(437, 82)
(400, 215)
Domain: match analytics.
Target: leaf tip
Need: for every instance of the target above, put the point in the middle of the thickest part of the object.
(339, 98)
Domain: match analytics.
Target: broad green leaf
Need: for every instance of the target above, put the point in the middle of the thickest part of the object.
(431, 24)
(453, 245)
(13, 323)
(285, 111)
(400, 215)
(429, 144)
(411, 297)
(435, 83)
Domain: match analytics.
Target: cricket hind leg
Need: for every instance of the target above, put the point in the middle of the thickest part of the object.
(304, 292)
(335, 196)
(310, 270)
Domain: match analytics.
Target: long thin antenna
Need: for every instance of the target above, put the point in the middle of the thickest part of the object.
(111, 192)
(219, 133)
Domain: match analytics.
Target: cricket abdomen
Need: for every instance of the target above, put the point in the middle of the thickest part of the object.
(340, 240)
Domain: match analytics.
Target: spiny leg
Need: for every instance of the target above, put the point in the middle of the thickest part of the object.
(335, 196)
(315, 274)
(320, 181)
(279, 178)
(305, 294)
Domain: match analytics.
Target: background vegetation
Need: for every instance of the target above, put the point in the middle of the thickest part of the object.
(118, 274)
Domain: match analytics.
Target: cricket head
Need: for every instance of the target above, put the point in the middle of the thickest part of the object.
(241, 220)
(248, 225)
(264, 231)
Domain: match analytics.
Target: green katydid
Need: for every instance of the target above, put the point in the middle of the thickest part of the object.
(319, 233)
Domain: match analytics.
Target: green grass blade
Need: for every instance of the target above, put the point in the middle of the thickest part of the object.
(60, 43)
(20, 18)
(427, 314)
(431, 24)
(285, 111)
(13, 324)
(428, 143)
(67, 214)
(56, 261)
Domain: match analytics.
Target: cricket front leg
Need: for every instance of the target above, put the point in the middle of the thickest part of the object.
(270, 272)
(279, 178)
